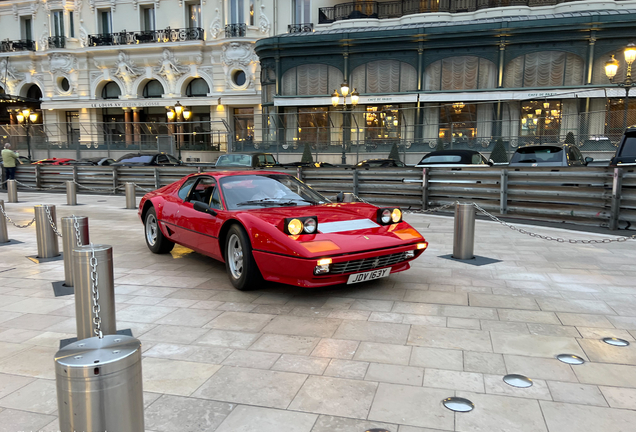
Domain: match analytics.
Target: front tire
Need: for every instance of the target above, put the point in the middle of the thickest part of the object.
(239, 261)
(156, 241)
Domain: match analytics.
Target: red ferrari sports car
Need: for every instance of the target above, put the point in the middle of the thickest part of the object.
(271, 226)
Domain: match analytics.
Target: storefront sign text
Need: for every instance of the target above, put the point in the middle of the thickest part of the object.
(128, 104)
(542, 95)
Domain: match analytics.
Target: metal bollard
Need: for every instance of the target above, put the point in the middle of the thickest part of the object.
(12, 191)
(70, 240)
(71, 193)
(464, 237)
(82, 280)
(131, 198)
(4, 235)
(46, 237)
(99, 385)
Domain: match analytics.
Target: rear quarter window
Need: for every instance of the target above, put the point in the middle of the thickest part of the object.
(629, 147)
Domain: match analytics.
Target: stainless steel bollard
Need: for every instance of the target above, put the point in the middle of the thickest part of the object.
(12, 191)
(83, 289)
(464, 238)
(71, 193)
(46, 237)
(4, 235)
(70, 241)
(99, 385)
(131, 198)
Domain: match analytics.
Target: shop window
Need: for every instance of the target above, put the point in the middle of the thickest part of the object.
(384, 76)
(197, 87)
(382, 122)
(311, 79)
(244, 124)
(616, 119)
(544, 69)
(111, 91)
(153, 89)
(458, 123)
(313, 125)
(460, 73)
(540, 122)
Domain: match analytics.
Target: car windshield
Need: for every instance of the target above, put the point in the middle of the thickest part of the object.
(267, 190)
(441, 159)
(234, 160)
(537, 155)
(137, 159)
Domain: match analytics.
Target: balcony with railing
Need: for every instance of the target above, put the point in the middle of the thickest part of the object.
(57, 41)
(368, 9)
(235, 30)
(17, 45)
(300, 28)
(149, 36)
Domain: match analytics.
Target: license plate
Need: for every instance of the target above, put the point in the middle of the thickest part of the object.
(370, 275)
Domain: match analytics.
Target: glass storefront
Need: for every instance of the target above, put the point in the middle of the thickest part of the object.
(458, 123)
(540, 122)
(244, 124)
(382, 123)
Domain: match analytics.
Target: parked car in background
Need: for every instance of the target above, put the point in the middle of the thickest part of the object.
(454, 159)
(23, 160)
(53, 161)
(309, 164)
(246, 160)
(100, 161)
(626, 152)
(380, 163)
(147, 159)
(564, 155)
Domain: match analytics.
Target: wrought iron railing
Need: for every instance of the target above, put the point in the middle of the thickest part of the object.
(17, 45)
(57, 41)
(367, 9)
(235, 30)
(148, 36)
(300, 28)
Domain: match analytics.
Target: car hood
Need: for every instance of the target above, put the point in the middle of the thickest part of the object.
(343, 228)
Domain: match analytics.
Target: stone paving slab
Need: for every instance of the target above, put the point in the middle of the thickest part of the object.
(349, 358)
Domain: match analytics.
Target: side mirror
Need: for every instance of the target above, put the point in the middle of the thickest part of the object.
(340, 197)
(203, 208)
(491, 162)
(588, 160)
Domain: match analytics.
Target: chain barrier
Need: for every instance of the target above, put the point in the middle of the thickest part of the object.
(109, 190)
(40, 188)
(6, 216)
(95, 290)
(413, 211)
(550, 238)
(78, 237)
(51, 222)
(94, 189)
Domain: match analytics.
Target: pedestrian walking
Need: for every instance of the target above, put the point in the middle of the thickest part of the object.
(9, 160)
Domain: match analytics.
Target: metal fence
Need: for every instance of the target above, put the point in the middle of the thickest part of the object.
(587, 196)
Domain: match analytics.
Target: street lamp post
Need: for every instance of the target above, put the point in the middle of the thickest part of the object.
(27, 117)
(611, 68)
(181, 113)
(335, 100)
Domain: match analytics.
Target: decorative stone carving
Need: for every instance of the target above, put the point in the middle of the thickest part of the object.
(157, 4)
(34, 9)
(15, 11)
(134, 2)
(62, 63)
(238, 56)
(9, 76)
(113, 5)
(91, 3)
(78, 9)
(170, 69)
(215, 27)
(44, 39)
(126, 70)
(83, 36)
(263, 22)
(198, 60)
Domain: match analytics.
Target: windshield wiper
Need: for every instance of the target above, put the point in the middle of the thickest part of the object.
(266, 201)
(310, 201)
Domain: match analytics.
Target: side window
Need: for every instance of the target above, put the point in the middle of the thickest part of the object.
(173, 159)
(579, 155)
(215, 202)
(185, 189)
(162, 159)
(203, 190)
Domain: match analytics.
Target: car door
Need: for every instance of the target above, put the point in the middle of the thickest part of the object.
(198, 230)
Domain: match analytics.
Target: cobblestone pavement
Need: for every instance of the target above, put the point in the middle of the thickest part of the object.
(382, 354)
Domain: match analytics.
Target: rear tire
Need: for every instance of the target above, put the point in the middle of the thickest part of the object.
(239, 261)
(156, 241)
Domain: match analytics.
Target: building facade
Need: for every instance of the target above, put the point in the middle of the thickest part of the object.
(260, 74)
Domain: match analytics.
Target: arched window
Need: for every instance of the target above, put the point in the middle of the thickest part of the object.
(197, 87)
(111, 91)
(544, 69)
(384, 76)
(312, 79)
(34, 92)
(153, 89)
(598, 73)
(460, 73)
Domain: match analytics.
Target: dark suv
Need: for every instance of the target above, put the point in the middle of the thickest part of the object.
(626, 152)
(563, 155)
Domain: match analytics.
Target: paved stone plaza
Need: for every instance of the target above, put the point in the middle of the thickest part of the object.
(377, 355)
